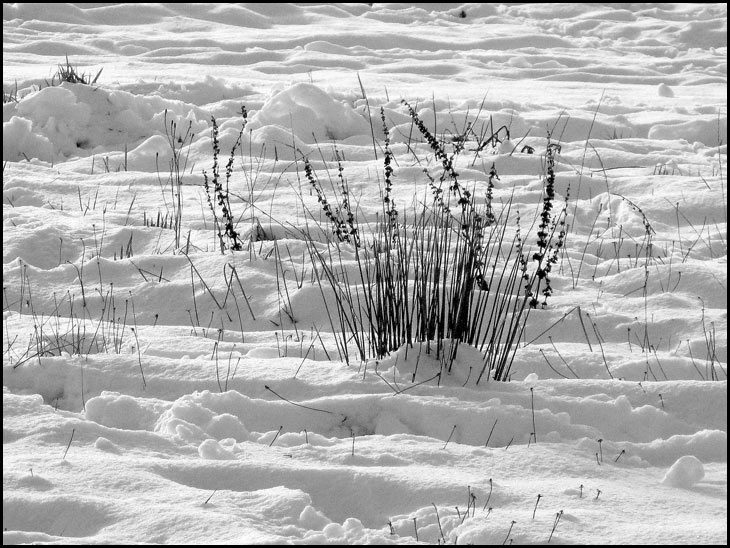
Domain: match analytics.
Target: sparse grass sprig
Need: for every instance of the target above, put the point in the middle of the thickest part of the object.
(446, 161)
(343, 229)
(350, 227)
(390, 211)
(219, 195)
(179, 144)
(547, 253)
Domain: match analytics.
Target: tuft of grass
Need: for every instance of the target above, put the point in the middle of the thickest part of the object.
(11, 96)
(95, 325)
(69, 73)
(443, 272)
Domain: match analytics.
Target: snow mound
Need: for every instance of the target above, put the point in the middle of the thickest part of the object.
(663, 90)
(76, 120)
(190, 419)
(212, 450)
(313, 519)
(115, 410)
(704, 130)
(20, 141)
(684, 473)
(311, 115)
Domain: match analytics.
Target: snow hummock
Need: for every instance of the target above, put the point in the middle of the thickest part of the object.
(685, 473)
(310, 114)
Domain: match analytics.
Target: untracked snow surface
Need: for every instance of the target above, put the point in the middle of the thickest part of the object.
(157, 390)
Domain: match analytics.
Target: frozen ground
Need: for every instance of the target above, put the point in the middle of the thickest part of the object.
(143, 401)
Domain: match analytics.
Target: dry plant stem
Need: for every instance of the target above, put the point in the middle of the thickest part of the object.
(73, 431)
(532, 405)
(450, 436)
(207, 288)
(136, 339)
(276, 436)
(550, 365)
(556, 322)
(555, 525)
(536, 503)
(600, 344)
(438, 520)
(600, 448)
(299, 404)
(370, 119)
(585, 248)
(176, 168)
(585, 149)
(486, 444)
(509, 532)
(436, 376)
(585, 333)
(243, 292)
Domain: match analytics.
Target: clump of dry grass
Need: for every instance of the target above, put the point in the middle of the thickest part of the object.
(69, 73)
(11, 96)
(441, 273)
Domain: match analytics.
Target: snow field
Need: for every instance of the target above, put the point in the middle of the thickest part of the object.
(155, 396)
